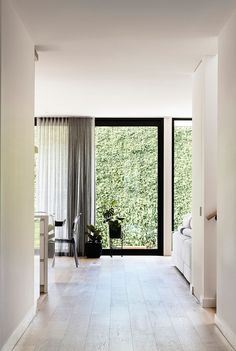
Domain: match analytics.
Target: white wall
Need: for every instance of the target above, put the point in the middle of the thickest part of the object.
(226, 272)
(197, 184)
(210, 178)
(17, 160)
(204, 181)
(163, 95)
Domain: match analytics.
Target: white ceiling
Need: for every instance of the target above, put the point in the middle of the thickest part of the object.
(120, 57)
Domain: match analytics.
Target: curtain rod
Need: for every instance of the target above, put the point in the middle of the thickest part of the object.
(58, 118)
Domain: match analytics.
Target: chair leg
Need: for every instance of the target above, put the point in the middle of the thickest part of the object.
(75, 255)
(76, 259)
(110, 247)
(122, 245)
(53, 260)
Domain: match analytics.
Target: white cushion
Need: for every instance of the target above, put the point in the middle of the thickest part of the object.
(191, 223)
(186, 220)
(187, 232)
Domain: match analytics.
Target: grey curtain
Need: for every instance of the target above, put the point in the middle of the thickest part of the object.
(80, 176)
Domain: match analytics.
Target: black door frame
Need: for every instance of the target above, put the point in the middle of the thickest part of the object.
(144, 122)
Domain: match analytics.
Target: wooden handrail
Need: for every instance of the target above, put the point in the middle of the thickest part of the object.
(212, 215)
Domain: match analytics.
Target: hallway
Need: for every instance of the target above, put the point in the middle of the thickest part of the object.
(130, 304)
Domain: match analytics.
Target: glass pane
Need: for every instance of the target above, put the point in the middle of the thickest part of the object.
(126, 171)
(182, 170)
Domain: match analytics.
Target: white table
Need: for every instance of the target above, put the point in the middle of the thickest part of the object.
(43, 217)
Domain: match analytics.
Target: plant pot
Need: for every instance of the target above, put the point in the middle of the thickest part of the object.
(93, 250)
(115, 233)
(51, 248)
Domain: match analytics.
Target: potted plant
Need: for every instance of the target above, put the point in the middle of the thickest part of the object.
(93, 247)
(114, 222)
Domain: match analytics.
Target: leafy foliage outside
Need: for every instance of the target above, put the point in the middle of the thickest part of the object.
(182, 173)
(126, 171)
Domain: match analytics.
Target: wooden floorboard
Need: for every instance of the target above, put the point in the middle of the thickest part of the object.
(120, 304)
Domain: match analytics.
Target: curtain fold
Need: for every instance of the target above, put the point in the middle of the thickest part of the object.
(52, 170)
(80, 189)
(65, 181)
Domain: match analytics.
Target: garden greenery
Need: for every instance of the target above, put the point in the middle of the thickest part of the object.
(126, 171)
(182, 173)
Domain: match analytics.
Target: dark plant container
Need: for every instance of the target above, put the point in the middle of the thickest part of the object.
(93, 250)
(114, 233)
(51, 248)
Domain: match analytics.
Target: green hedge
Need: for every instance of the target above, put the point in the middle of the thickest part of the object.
(182, 173)
(126, 170)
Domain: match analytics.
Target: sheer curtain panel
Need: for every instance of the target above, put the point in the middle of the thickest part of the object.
(52, 170)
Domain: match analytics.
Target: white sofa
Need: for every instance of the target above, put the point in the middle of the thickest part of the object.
(182, 248)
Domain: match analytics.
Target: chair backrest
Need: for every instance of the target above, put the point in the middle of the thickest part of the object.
(75, 225)
(60, 223)
(51, 227)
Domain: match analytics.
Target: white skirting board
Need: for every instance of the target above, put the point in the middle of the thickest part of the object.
(226, 331)
(19, 331)
(191, 288)
(205, 302)
(208, 302)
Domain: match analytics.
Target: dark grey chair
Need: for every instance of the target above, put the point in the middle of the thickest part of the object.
(72, 241)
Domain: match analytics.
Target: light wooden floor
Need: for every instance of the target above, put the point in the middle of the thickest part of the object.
(121, 304)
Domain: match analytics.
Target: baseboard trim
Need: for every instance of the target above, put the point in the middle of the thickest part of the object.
(192, 292)
(19, 331)
(226, 331)
(207, 302)
(192, 289)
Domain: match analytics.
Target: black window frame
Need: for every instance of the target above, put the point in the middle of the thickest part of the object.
(144, 122)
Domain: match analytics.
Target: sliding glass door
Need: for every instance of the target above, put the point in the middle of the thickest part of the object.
(129, 174)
